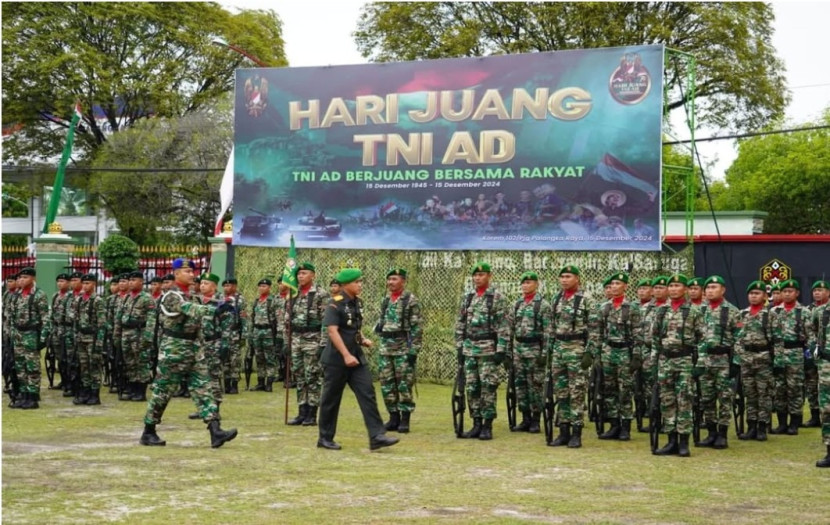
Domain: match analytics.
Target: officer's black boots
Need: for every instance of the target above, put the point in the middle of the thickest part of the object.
(576, 437)
(625, 430)
(824, 463)
(486, 430)
(751, 430)
(721, 441)
(762, 431)
(382, 441)
(671, 447)
(524, 426)
(300, 417)
(782, 424)
(310, 416)
(683, 447)
(712, 429)
(219, 437)
(564, 436)
(394, 421)
(613, 432)
(473, 432)
(814, 421)
(150, 438)
(403, 427)
(795, 422)
(534, 423)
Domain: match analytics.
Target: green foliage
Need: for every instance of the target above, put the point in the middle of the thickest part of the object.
(740, 79)
(15, 199)
(132, 60)
(119, 254)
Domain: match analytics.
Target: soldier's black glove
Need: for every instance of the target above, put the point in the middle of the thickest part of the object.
(412, 359)
(499, 358)
(734, 370)
(587, 361)
(635, 364)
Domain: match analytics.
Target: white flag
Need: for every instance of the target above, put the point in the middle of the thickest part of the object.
(225, 193)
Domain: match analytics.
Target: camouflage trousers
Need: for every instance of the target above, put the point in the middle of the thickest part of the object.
(824, 397)
(91, 361)
(306, 371)
(530, 380)
(181, 359)
(618, 383)
(570, 382)
(264, 348)
(789, 386)
(232, 364)
(716, 395)
(811, 385)
(756, 375)
(397, 377)
(214, 366)
(676, 394)
(27, 360)
(137, 361)
(482, 376)
(649, 371)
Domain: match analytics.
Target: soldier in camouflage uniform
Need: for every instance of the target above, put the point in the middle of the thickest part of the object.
(180, 356)
(400, 331)
(660, 294)
(571, 357)
(10, 296)
(820, 342)
(721, 320)
(677, 332)
(152, 330)
(775, 295)
(29, 322)
(130, 331)
(233, 325)
(821, 294)
(530, 331)
(696, 287)
(306, 318)
(789, 332)
(109, 339)
(58, 324)
(620, 354)
(753, 352)
(482, 331)
(89, 322)
(262, 336)
(210, 336)
(119, 368)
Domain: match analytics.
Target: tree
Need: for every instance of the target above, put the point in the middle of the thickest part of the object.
(119, 254)
(123, 62)
(179, 206)
(740, 79)
(786, 175)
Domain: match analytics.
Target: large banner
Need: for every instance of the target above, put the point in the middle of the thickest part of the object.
(540, 151)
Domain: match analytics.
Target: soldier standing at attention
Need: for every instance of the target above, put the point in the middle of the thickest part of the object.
(721, 320)
(696, 287)
(306, 317)
(677, 331)
(129, 329)
(233, 325)
(754, 352)
(819, 339)
(645, 304)
(262, 338)
(821, 294)
(345, 363)
(58, 323)
(400, 331)
(789, 331)
(481, 335)
(29, 321)
(90, 324)
(530, 329)
(619, 333)
(180, 357)
(109, 315)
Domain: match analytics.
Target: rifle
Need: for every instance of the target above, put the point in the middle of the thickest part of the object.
(51, 361)
(119, 371)
(597, 380)
(249, 365)
(697, 405)
(550, 402)
(640, 407)
(655, 418)
(459, 400)
(9, 374)
(109, 360)
(512, 397)
(738, 403)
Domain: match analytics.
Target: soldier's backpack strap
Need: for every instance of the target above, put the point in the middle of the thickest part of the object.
(467, 302)
(684, 314)
(383, 307)
(724, 320)
(309, 304)
(626, 317)
(661, 317)
(577, 301)
(490, 298)
(822, 332)
(556, 305)
(798, 324)
(405, 310)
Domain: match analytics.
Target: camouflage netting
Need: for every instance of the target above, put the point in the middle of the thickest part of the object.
(440, 279)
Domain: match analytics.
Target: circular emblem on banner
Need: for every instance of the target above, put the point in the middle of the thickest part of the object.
(256, 95)
(630, 83)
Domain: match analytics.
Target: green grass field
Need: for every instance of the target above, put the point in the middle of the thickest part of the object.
(84, 465)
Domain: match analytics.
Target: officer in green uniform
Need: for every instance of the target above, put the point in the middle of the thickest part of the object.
(344, 363)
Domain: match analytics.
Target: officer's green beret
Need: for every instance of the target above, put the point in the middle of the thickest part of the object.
(229, 280)
(396, 271)
(644, 282)
(480, 267)
(820, 284)
(714, 279)
(619, 276)
(678, 278)
(264, 281)
(529, 276)
(660, 280)
(306, 266)
(695, 281)
(776, 287)
(790, 283)
(212, 277)
(756, 285)
(64, 276)
(89, 277)
(607, 282)
(569, 269)
(348, 275)
(28, 271)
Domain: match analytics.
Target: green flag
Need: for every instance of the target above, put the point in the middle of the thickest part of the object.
(289, 274)
(57, 188)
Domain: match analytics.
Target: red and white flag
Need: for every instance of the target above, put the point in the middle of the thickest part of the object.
(614, 170)
(225, 193)
(389, 207)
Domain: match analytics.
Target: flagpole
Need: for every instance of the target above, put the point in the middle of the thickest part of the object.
(57, 187)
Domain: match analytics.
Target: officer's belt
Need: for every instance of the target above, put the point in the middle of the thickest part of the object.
(485, 337)
(88, 331)
(262, 326)
(189, 336)
(757, 349)
(570, 337)
(393, 335)
(27, 327)
(687, 351)
(534, 339)
(719, 350)
(793, 344)
(304, 329)
(133, 324)
(619, 344)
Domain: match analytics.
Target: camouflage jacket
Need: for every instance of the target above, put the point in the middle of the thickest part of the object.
(209, 330)
(116, 306)
(572, 318)
(31, 312)
(611, 326)
(483, 325)
(181, 314)
(59, 313)
(234, 324)
(403, 315)
(306, 315)
(265, 316)
(152, 329)
(8, 299)
(755, 333)
(722, 325)
(646, 319)
(89, 320)
(789, 329)
(133, 314)
(530, 326)
(819, 331)
(677, 330)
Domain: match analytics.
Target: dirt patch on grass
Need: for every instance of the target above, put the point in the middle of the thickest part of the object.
(518, 515)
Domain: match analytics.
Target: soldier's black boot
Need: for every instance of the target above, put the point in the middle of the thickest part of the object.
(94, 397)
(671, 447)
(762, 431)
(534, 423)
(712, 429)
(260, 385)
(17, 400)
(814, 421)
(228, 385)
(403, 428)
(234, 386)
(139, 392)
(564, 436)
(31, 402)
(310, 417)
(524, 426)
(614, 431)
(683, 447)
(576, 437)
(300, 417)
(795, 422)
(219, 437)
(382, 441)
(824, 463)
(150, 438)
(194, 416)
(269, 384)
(473, 432)
(643, 429)
(751, 431)
(486, 430)
(394, 421)
(721, 441)
(127, 393)
(625, 430)
(82, 397)
(782, 424)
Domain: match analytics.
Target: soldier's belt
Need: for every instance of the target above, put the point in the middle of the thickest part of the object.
(262, 326)
(88, 331)
(534, 339)
(133, 324)
(756, 349)
(570, 337)
(26, 327)
(619, 344)
(793, 344)
(719, 350)
(304, 329)
(393, 335)
(686, 351)
(189, 336)
(484, 337)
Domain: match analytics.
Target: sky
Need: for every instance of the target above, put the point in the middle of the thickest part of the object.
(798, 26)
